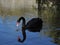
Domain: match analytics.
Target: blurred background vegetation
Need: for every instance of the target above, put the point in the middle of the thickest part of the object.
(15, 7)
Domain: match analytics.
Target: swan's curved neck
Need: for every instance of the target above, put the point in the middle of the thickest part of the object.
(23, 22)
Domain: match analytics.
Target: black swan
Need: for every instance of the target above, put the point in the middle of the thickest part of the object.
(34, 25)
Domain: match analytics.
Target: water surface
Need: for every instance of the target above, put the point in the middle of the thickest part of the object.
(8, 33)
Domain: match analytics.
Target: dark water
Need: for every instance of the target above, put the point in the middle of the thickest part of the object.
(8, 34)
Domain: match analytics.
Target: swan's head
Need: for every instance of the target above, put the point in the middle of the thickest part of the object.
(18, 21)
(17, 24)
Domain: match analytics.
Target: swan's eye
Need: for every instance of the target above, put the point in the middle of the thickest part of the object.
(17, 24)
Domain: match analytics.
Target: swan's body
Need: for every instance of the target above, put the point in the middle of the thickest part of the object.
(34, 25)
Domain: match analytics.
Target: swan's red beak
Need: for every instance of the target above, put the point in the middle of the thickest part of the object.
(17, 24)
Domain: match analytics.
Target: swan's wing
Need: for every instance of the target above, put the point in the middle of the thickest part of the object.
(35, 22)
